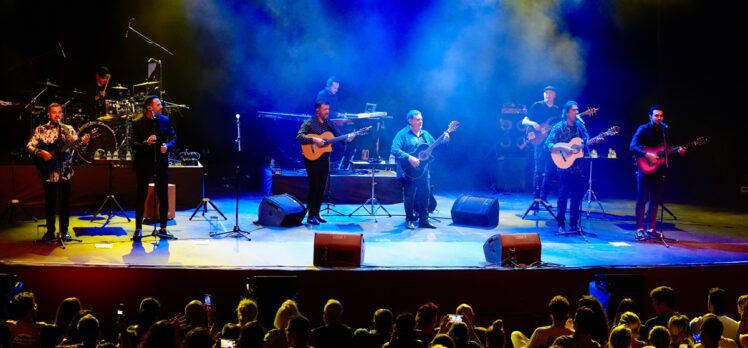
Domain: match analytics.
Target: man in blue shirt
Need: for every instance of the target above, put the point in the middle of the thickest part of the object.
(416, 191)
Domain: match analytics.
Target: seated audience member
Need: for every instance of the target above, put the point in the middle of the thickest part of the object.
(53, 334)
(89, 332)
(246, 312)
(626, 305)
(148, 313)
(600, 328)
(25, 331)
(426, 320)
(632, 322)
(466, 311)
(717, 305)
(544, 336)
(334, 334)
(659, 337)
(298, 332)
(495, 336)
(620, 337)
(380, 333)
(198, 337)
(276, 338)
(743, 324)
(404, 335)
(73, 336)
(459, 333)
(679, 332)
(252, 335)
(663, 303)
(230, 331)
(712, 334)
(195, 316)
(443, 340)
(584, 321)
(161, 334)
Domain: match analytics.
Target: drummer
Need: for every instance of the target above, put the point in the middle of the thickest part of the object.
(99, 90)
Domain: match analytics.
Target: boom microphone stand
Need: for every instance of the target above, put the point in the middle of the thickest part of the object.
(237, 231)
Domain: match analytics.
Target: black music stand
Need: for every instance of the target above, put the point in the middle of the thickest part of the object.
(590, 195)
(371, 201)
(112, 199)
(205, 202)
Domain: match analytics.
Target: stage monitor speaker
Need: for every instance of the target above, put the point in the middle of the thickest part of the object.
(512, 249)
(475, 211)
(281, 210)
(338, 249)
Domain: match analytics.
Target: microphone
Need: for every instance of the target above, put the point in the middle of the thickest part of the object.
(237, 117)
(664, 125)
(579, 119)
(129, 23)
(61, 50)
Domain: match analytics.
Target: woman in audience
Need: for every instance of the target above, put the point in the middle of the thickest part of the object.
(246, 312)
(626, 305)
(252, 335)
(198, 338)
(298, 332)
(679, 331)
(162, 334)
(600, 327)
(148, 313)
(659, 337)
(53, 335)
(633, 323)
(495, 336)
(442, 340)
(620, 337)
(276, 338)
(584, 321)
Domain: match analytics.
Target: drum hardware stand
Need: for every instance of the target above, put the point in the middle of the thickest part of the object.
(205, 202)
(237, 231)
(372, 201)
(590, 196)
(15, 204)
(111, 199)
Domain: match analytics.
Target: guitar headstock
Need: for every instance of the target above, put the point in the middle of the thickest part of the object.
(698, 141)
(453, 126)
(612, 131)
(363, 130)
(589, 112)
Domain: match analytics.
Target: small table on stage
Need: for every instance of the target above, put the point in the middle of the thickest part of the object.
(372, 205)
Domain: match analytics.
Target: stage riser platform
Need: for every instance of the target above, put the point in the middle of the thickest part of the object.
(344, 189)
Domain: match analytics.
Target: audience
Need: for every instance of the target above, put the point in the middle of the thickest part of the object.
(600, 327)
(717, 305)
(632, 322)
(495, 336)
(276, 338)
(334, 334)
(298, 332)
(442, 340)
(66, 311)
(148, 313)
(466, 311)
(162, 334)
(426, 320)
(198, 337)
(380, 333)
(663, 302)
(460, 335)
(25, 331)
(404, 335)
(544, 336)
(620, 337)
(626, 305)
(679, 332)
(584, 322)
(659, 337)
(251, 335)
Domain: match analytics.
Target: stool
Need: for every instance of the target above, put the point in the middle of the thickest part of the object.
(148, 212)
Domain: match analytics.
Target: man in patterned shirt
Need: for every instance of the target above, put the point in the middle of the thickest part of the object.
(47, 143)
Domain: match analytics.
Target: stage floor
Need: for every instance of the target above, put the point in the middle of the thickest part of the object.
(704, 236)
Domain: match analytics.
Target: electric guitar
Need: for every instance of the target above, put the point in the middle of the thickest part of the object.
(565, 161)
(54, 149)
(537, 136)
(423, 153)
(648, 166)
(313, 152)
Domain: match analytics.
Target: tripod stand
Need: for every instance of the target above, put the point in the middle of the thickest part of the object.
(204, 202)
(535, 207)
(237, 231)
(14, 206)
(328, 197)
(111, 199)
(371, 201)
(590, 196)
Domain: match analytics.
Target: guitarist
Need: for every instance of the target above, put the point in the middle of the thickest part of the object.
(46, 143)
(318, 170)
(416, 192)
(650, 187)
(571, 180)
(547, 112)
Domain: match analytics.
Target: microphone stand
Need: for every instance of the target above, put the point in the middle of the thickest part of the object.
(153, 43)
(237, 231)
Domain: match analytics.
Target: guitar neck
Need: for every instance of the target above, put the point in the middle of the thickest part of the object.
(436, 143)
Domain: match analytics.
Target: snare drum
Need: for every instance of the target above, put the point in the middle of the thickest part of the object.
(102, 139)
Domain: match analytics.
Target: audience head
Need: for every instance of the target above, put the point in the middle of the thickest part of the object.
(620, 337)
(88, 328)
(678, 326)
(426, 316)
(559, 309)
(148, 313)
(404, 325)
(495, 336)
(161, 335)
(198, 337)
(195, 314)
(252, 335)
(333, 312)
(632, 322)
(287, 310)
(467, 311)
(442, 340)
(73, 335)
(626, 305)
(663, 299)
(600, 328)
(459, 333)
(584, 320)
(246, 311)
(383, 320)
(68, 308)
(711, 330)
(298, 331)
(717, 301)
(231, 331)
(24, 306)
(659, 337)
(742, 300)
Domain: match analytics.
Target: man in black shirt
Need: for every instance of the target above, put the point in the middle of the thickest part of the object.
(650, 187)
(548, 113)
(152, 135)
(571, 180)
(99, 91)
(329, 95)
(317, 170)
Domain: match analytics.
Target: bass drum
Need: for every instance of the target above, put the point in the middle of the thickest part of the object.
(102, 140)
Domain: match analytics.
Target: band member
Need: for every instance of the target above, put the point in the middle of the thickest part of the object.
(99, 90)
(152, 136)
(571, 180)
(650, 187)
(547, 112)
(318, 170)
(416, 192)
(329, 95)
(56, 170)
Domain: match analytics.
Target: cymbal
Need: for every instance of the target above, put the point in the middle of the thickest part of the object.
(119, 87)
(146, 83)
(76, 91)
(108, 118)
(49, 84)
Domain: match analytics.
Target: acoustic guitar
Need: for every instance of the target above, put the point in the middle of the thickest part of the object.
(565, 161)
(648, 166)
(537, 136)
(313, 152)
(423, 153)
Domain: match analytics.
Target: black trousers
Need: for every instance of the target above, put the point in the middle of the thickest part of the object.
(571, 188)
(541, 172)
(54, 192)
(317, 173)
(143, 176)
(416, 194)
(651, 188)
